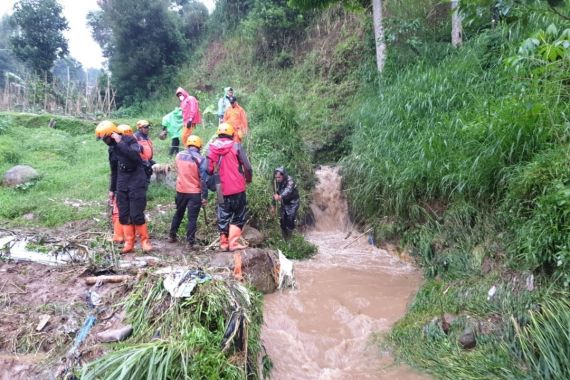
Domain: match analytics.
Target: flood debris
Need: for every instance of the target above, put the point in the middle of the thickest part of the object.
(115, 335)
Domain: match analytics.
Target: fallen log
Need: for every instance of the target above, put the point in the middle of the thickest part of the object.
(107, 279)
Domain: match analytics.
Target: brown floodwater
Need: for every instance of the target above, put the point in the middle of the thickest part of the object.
(347, 296)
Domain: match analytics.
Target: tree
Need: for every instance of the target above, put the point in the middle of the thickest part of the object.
(144, 44)
(38, 39)
(456, 27)
(376, 16)
(8, 63)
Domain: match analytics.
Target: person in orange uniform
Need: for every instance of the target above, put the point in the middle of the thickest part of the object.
(190, 113)
(236, 117)
(191, 189)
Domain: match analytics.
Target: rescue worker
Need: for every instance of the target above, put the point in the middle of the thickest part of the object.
(229, 160)
(224, 103)
(286, 192)
(103, 131)
(236, 117)
(118, 236)
(147, 149)
(131, 184)
(190, 113)
(172, 125)
(191, 189)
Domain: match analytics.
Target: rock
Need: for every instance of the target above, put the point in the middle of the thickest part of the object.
(253, 236)
(259, 267)
(115, 335)
(467, 340)
(43, 320)
(29, 216)
(18, 175)
(447, 321)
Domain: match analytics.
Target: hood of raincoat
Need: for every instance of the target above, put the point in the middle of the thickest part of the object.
(221, 146)
(182, 91)
(281, 170)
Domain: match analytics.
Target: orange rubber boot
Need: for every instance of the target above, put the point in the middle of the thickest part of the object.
(129, 232)
(235, 233)
(142, 231)
(224, 242)
(118, 235)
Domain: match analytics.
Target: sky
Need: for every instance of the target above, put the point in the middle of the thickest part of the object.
(81, 45)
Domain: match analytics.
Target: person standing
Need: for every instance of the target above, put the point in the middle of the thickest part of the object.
(131, 185)
(191, 189)
(224, 103)
(190, 113)
(237, 118)
(172, 125)
(286, 192)
(228, 158)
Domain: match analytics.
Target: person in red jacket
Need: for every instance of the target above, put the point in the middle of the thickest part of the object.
(191, 189)
(190, 113)
(228, 158)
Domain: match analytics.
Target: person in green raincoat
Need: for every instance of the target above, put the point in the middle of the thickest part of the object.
(172, 125)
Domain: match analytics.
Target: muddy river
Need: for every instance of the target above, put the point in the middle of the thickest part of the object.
(347, 296)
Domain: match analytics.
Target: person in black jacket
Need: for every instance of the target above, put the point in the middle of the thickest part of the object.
(286, 192)
(131, 184)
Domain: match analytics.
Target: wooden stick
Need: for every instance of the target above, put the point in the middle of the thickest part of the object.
(355, 239)
(106, 279)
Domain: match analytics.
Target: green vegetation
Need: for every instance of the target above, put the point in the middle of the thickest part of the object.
(180, 338)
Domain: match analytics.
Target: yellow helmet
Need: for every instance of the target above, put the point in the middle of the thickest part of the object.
(105, 128)
(124, 129)
(225, 129)
(142, 123)
(194, 140)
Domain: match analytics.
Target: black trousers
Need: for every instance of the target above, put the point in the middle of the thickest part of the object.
(288, 218)
(191, 203)
(132, 204)
(174, 146)
(232, 211)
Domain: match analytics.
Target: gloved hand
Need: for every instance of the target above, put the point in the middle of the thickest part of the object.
(162, 135)
(189, 124)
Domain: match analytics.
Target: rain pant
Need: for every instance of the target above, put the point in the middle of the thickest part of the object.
(236, 117)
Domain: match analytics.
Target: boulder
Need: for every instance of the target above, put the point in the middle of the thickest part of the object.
(19, 175)
(259, 267)
(253, 236)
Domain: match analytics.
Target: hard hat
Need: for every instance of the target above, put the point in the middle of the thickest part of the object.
(105, 128)
(142, 123)
(225, 129)
(124, 129)
(194, 140)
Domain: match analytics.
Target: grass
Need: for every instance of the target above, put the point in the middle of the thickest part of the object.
(180, 338)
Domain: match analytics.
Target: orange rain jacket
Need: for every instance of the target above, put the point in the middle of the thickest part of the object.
(236, 117)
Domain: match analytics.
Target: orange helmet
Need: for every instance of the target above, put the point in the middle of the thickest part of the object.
(124, 129)
(105, 128)
(142, 123)
(194, 140)
(225, 129)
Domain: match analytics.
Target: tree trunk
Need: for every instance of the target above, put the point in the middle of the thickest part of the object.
(379, 34)
(456, 27)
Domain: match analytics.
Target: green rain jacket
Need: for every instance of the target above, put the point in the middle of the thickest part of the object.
(173, 122)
